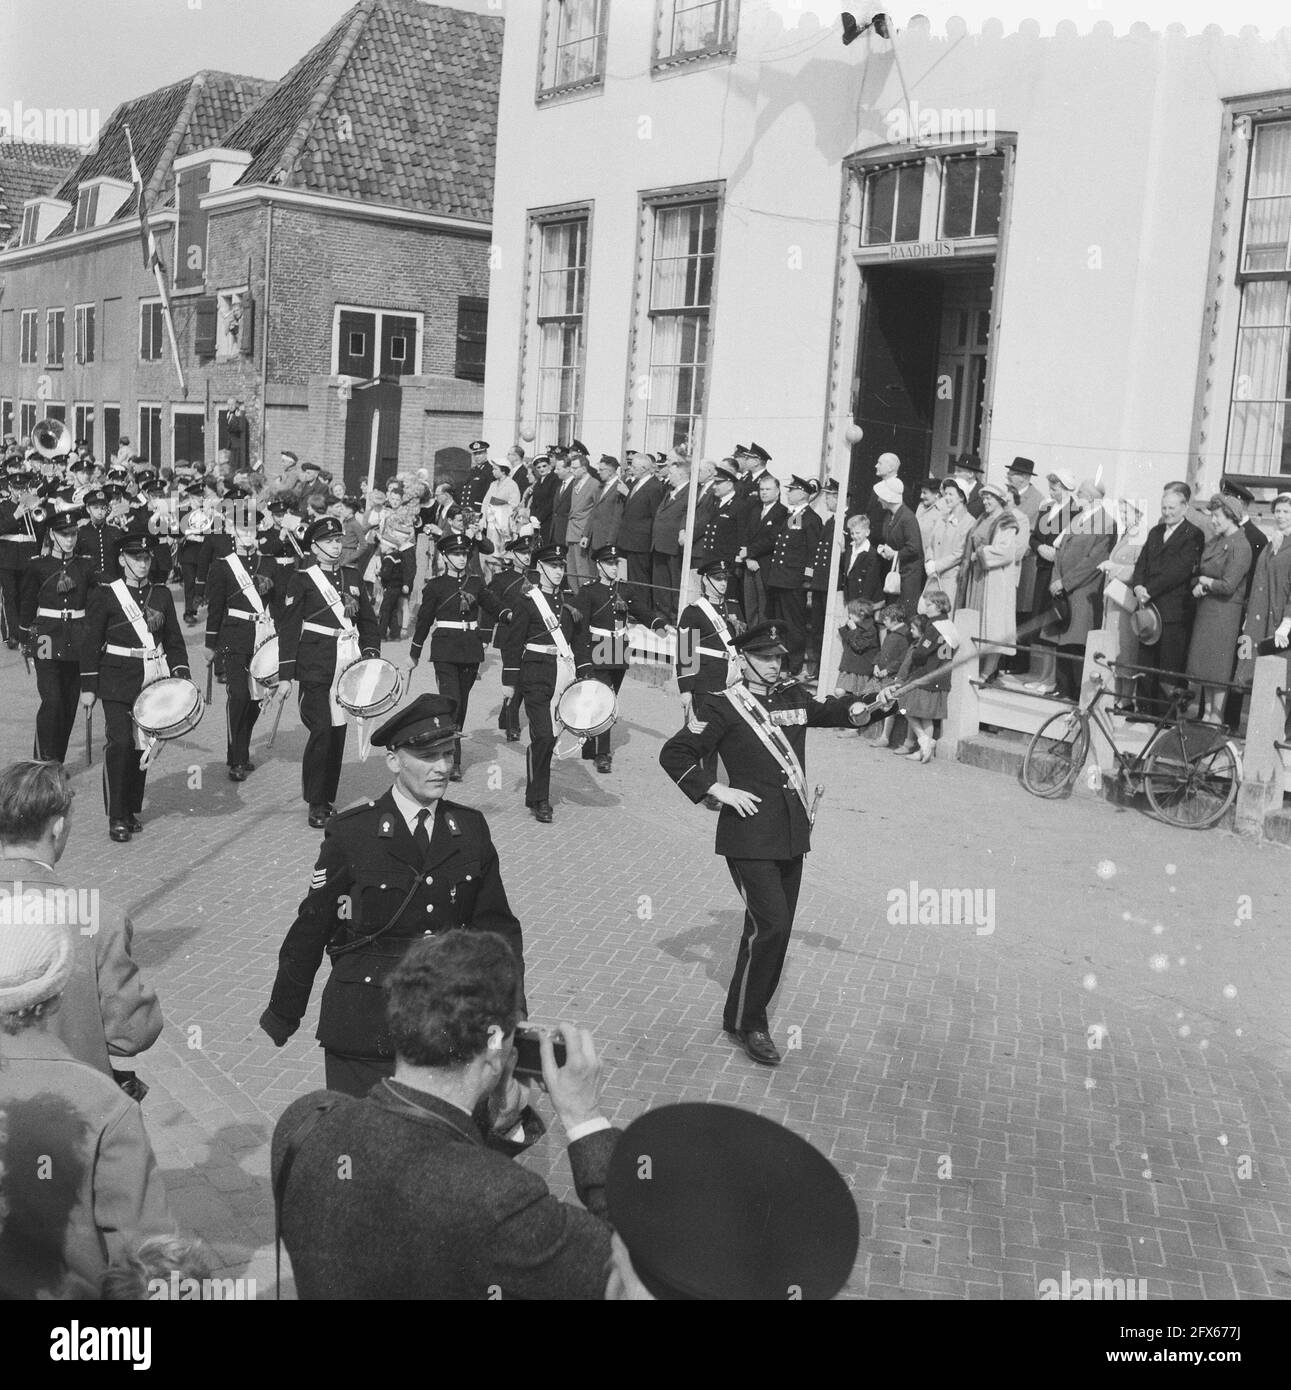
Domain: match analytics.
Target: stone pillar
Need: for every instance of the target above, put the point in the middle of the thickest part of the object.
(1262, 777)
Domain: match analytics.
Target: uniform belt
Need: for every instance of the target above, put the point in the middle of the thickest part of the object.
(541, 649)
(241, 613)
(460, 627)
(610, 631)
(709, 651)
(324, 631)
(63, 613)
(140, 652)
(20, 536)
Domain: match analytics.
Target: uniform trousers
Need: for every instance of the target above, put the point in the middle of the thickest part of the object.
(58, 684)
(791, 606)
(354, 1076)
(123, 778)
(769, 888)
(538, 685)
(816, 624)
(320, 771)
(1169, 654)
(9, 585)
(388, 621)
(188, 569)
(455, 683)
(599, 747)
(755, 597)
(241, 711)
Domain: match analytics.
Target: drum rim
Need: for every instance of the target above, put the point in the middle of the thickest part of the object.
(375, 708)
(186, 724)
(590, 730)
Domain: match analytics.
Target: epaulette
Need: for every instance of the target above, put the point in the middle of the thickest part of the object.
(365, 805)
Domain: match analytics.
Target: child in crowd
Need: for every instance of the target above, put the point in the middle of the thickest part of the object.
(397, 570)
(932, 649)
(860, 637)
(895, 643)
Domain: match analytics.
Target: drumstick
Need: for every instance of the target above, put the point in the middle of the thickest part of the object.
(210, 678)
(89, 736)
(273, 733)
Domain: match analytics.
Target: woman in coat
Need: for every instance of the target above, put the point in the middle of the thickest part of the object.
(1118, 617)
(948, 539)
(1268, 611)
(988, 576)
(901, 542)
(1220, 590)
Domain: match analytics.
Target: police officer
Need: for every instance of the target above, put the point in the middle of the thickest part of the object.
(325, 608)
(787, 577)
(706, 659)
(244, 601)
(479, 479)
(20, 540)
(453, 603)
(390, 871)
(606, 606)
(55, 590)
(545, 649)
(818, 579)
(132, 636)
(758, 727)
(506, 586)
(719, 539)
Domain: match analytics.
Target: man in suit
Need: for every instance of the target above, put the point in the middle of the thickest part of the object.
(1163, 575)
(1021, 475)
(758, 727)
(563, 499)
(542, 497)
(706, 499)
(519, 473)
(760, 521)
(582, 500)
(818, 578)
(968, 469)
(667, 539)
(388, 872)
(607, 510)
(862, 571)
(434, 1207)
(1257, 540)
(644, 493)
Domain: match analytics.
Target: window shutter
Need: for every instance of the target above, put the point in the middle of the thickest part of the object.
(207, 320)
(246, 328)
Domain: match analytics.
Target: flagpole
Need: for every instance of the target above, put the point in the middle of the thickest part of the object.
(152, 257)
(170, 322)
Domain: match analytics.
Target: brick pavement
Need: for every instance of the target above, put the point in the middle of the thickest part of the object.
(949, 1075)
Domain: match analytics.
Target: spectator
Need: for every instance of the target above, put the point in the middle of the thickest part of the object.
(542, 496)
(107, 1011)
(902, 545)
(516, 467)
(78, 1181)
(1220, 590)
(860, 638)
(1268, 615)
(1163, 577)
(134, 1275)
(1053, 520)
(434, 1207)
(945, 547)
(988, 576)
(582, 499)
(885, 466)
(861, 571)
(500, 502)
(895, 632)
(762, 520)
(929, 509)
(1118, 610)
(933, 640)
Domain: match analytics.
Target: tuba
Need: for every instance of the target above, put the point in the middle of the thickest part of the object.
(51, 438)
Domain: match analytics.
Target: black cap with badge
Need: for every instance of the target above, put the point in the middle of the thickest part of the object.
(425, 727)
(762, 639)
(324, 529)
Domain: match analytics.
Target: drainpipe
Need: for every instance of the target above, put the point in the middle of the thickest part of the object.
(264, 335)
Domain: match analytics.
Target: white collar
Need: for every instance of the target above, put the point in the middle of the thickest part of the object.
(410, 809)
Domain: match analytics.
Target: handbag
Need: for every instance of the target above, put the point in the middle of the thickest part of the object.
(1117, 591)
(892, 579)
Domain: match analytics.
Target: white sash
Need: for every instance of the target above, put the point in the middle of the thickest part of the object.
(155, 666)
(724, 632)
(566, 667)
(754, 714)
(246, 586)
(347, 644)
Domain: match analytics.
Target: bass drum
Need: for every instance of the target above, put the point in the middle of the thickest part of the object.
(587, 708)
(369, 687)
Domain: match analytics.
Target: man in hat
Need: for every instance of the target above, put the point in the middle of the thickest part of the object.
(327, 622)
(21, 536)
(542, 497)
(755, 461)
(506, 586)
(390, 871)
(1031, 501)
(582, 500)
(98, 540)
(607, 509)
(546, 648)
(244, 603)
(968, 469)
(1163, 577)
(640, 503)
(707, 661)
(718, 537)
(668, 539)
(131, 637)
(466, 1223)
(55, 593)
(758, 727)
(737, 1207)
(480, 478)
(818, 579)
(1257, 540)
(786, 556)
(606, 606)
(450, 616)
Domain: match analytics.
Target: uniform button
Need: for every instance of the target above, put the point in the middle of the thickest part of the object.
(429, 880)
(367, 979)
(383, 885)
(468, 878)
(430, 907)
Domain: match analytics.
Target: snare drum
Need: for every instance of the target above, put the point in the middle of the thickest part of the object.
(587, 708)
(369, 687)
(168, 708)
(264, 665)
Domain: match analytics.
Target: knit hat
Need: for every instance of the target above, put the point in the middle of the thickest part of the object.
(35, 962)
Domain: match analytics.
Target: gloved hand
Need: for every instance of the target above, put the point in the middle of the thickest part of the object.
(279, 1029)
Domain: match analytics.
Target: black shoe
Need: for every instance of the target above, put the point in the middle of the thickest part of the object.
(456, 774)
(513, 735)
(248, 766)
(119, 831)
(605, 762)
(319, 816)
(542, 812)
(12, 645)
(759, 1046)
(135, 824)
(237, 773)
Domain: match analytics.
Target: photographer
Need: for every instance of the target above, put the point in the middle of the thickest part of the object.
(432, 1205)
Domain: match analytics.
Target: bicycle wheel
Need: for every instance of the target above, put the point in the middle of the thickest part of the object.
(1056, 754)
(1192, 780)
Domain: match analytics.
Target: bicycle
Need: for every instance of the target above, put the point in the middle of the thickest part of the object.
(1188, 769)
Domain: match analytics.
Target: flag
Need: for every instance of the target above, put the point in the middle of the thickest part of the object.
(151, 257)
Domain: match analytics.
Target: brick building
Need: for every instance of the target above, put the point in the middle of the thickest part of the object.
(326, 240)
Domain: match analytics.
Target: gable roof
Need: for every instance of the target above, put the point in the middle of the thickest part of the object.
(30, 170)
(396, 104)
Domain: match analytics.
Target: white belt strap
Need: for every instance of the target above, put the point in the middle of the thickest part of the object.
(331, 598)
(245, 585)
(456, 627)
(143, 652)
(751, 710)
(566, 667)
(60, 612)
(155, 666)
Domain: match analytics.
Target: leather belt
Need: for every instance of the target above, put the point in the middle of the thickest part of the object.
(540, 649)
(64, 613)
(140, 652)
(460, 627)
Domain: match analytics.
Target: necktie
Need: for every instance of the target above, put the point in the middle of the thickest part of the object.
(421, 836)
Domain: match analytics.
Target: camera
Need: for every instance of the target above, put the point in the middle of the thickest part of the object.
(529, 1057)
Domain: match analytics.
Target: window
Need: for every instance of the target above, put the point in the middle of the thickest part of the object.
(971, 192)
(190, 230)
(85, 333)
(689, 29)
(893, 198)
(6, 419)
(7, 341)
(27, 418)
(151, 330)
(1259, 422)
(472, 338)
(30, 225)
(573, 44)
(189, 434)
(371, 343)
(111, 430)
(28, 330)
(357, 344)
(148, 445)
(233, 323)
(680, 301)
(84, 418)
(54, 322)
(55, 410)
(109, 330)
(87, 206)
(562, 298)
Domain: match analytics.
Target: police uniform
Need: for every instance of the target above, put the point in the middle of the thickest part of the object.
(377, 887)
(453, 604)
(307, 638)
(764, 851)
(234, 628)
(55, 593)
(796, 545)
(506, 586)
(20, 541)
(719, 537)
(529, 665)
(606, 609)
(703, 657)
(818, 584)
(194, 528)
(479, 479)
(113, 667)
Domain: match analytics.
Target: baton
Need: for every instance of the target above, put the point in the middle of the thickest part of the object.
(815, 802)
(210, 678)
(89, 736)
(273, 733)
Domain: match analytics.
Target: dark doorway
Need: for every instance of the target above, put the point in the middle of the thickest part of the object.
(451, 466)
(382, 402)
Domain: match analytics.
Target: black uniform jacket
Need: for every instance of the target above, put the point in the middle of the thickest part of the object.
(757, 532)
(120, 678)
(793, 551)
(818, 580)
(606, 609)
(370, 882)
(310, 656)
(17, 554)
(637, 521)
(449, 599)
(59, 638)
(527, 626)
(702, 663)
(226, 627)
(780, 829)
(99, 545)
(718, 538)
(506, 586)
